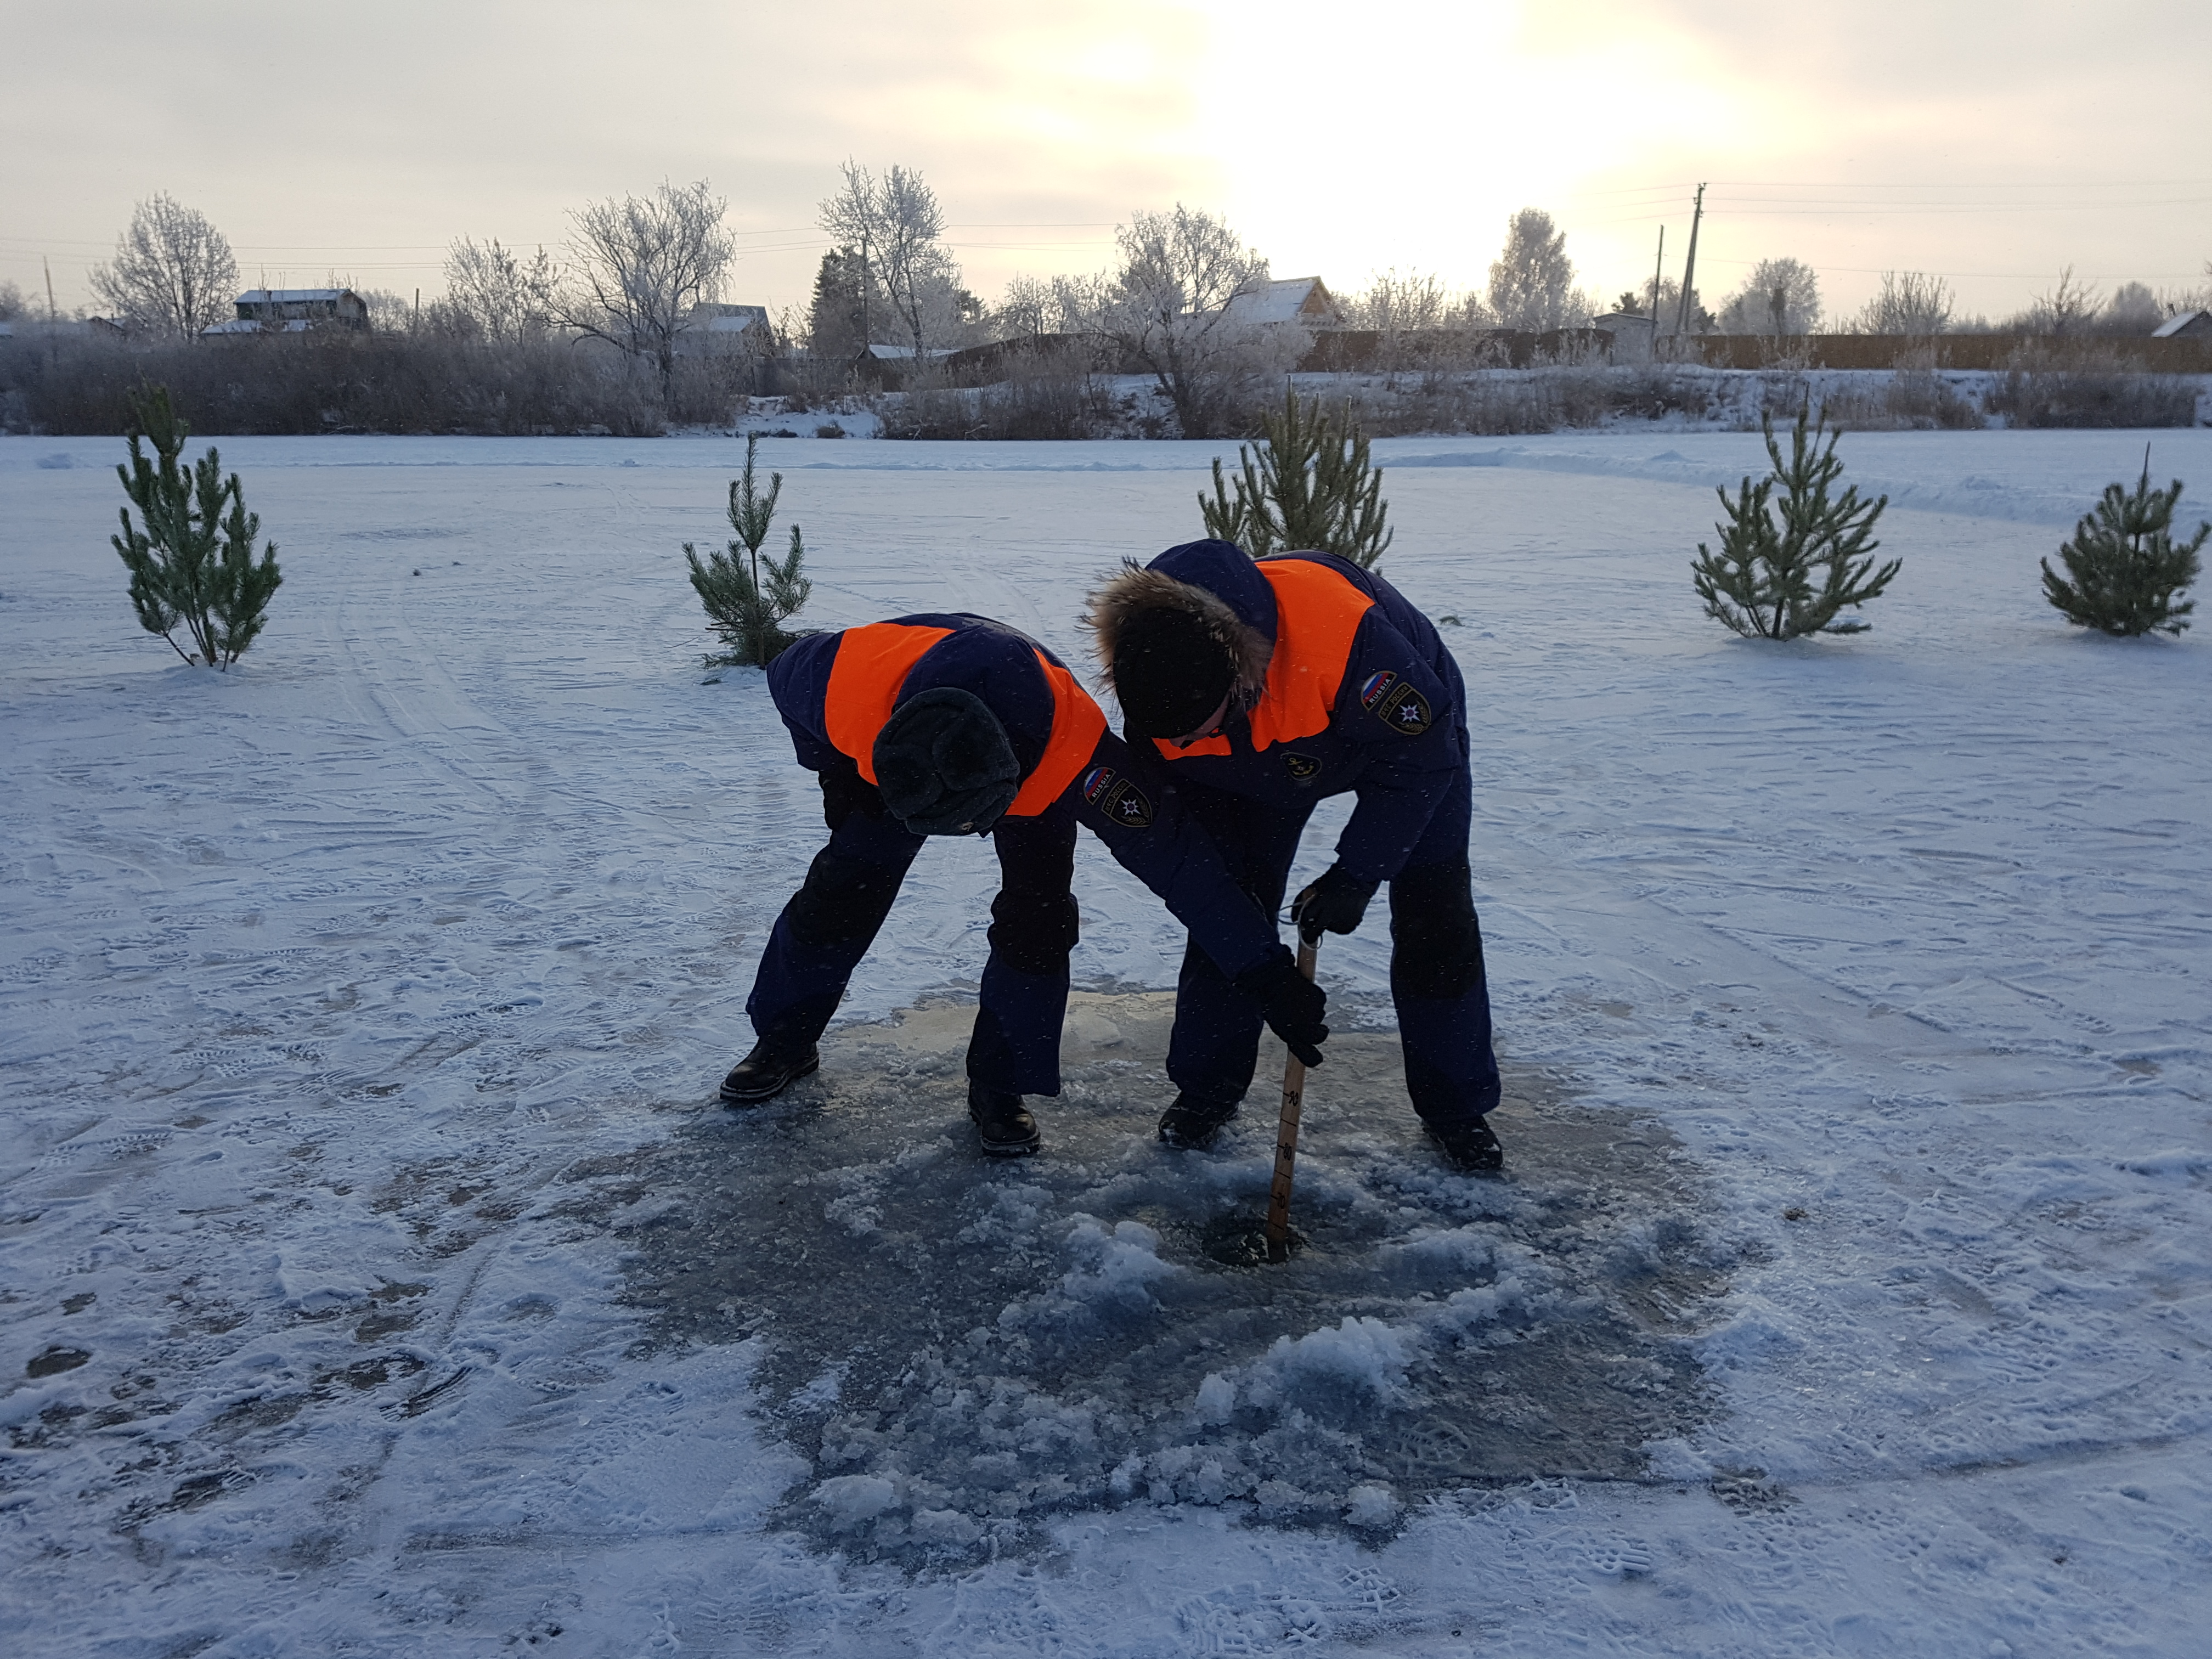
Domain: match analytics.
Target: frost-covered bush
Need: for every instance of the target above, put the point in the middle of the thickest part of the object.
(2076, 387)
(1789, 564)
(191, 564)
(748, 597)
(2124, 569)
(346, 380)
(1051, 391)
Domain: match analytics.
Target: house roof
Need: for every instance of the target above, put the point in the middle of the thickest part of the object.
(1286, 299)
(278, 297)
(728, 319)
(2188, 322)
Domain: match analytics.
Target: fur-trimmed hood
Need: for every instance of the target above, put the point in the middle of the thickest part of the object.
(1211, 581)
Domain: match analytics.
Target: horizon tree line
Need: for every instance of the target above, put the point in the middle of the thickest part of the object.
(635, 269)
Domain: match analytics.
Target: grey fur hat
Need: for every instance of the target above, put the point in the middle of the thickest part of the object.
(943, 764)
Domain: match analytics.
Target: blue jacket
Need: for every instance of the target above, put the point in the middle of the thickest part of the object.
(1391, 730)
(1033, 695)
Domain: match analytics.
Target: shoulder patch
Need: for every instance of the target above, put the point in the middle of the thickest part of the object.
(1117, 800)
(1399, 706)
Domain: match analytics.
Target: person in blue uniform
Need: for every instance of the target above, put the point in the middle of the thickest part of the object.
(954, 725)
(1258, 688)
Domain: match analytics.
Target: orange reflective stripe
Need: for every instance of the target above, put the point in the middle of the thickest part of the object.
(871, 665)
(1317, 612)
(872, 662)
(1077, 723)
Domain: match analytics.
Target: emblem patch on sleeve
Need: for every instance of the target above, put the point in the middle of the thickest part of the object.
(1405, 710)
(1120, 800)
(1304, 768)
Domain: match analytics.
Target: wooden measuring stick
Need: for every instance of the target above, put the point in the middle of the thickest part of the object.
(1286, 1134)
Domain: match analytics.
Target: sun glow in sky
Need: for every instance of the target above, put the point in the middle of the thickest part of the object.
(1993, 146)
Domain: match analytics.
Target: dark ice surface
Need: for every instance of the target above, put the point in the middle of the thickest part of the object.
(963, 1347)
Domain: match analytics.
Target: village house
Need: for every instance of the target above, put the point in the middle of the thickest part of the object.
(1303, 300)
(1632, 335)
(713, 329)
(292, 311)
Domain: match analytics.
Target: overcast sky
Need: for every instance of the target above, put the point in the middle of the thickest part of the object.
(1990, 143)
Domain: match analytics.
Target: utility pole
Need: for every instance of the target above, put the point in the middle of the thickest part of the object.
(1690, 268)
(1657, 266)
(53, 311)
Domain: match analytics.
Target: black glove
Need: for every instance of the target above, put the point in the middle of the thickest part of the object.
(844, 791)
(1291, 1004)
(1334, 904)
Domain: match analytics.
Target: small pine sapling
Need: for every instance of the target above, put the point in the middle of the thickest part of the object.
(1310, 487)
(1788, 565)
(193, 564)
(748, 597)
(2124, 569)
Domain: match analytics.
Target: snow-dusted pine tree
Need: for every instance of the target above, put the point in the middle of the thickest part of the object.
(1787, 567)
(2124, 569)
(1309, 487)
(748, 597)
(192, 566)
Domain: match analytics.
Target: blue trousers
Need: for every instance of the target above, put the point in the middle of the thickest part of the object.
(1437, 978)
(829, 923)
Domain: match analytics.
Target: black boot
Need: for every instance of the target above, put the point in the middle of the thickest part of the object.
(1468, 1147)
(1192, 1123)
(1002, 1123)
(767, 1072)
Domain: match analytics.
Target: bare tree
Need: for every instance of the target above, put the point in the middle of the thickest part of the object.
(897, 225)
(1169, 306)
(2172, 301)
(1394, 304)
(496, 294)
(1470, 312)
(1409, 314)
(1034, 308)
(1907, 302)
(2070, 307)
(172, 273)
(11, 302)
(1027, 313)
(1780, 296)
(1637, 302)
(641, 265)
(1532, 283)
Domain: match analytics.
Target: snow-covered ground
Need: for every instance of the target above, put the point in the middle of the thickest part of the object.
(381, 1278)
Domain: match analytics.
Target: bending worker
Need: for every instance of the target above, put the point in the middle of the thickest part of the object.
(959, 726)
(1260, 687)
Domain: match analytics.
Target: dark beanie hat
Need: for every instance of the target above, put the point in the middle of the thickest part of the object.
(943, 764)
(1170, 672)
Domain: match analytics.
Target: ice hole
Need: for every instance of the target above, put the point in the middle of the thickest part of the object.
(964, 1348)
